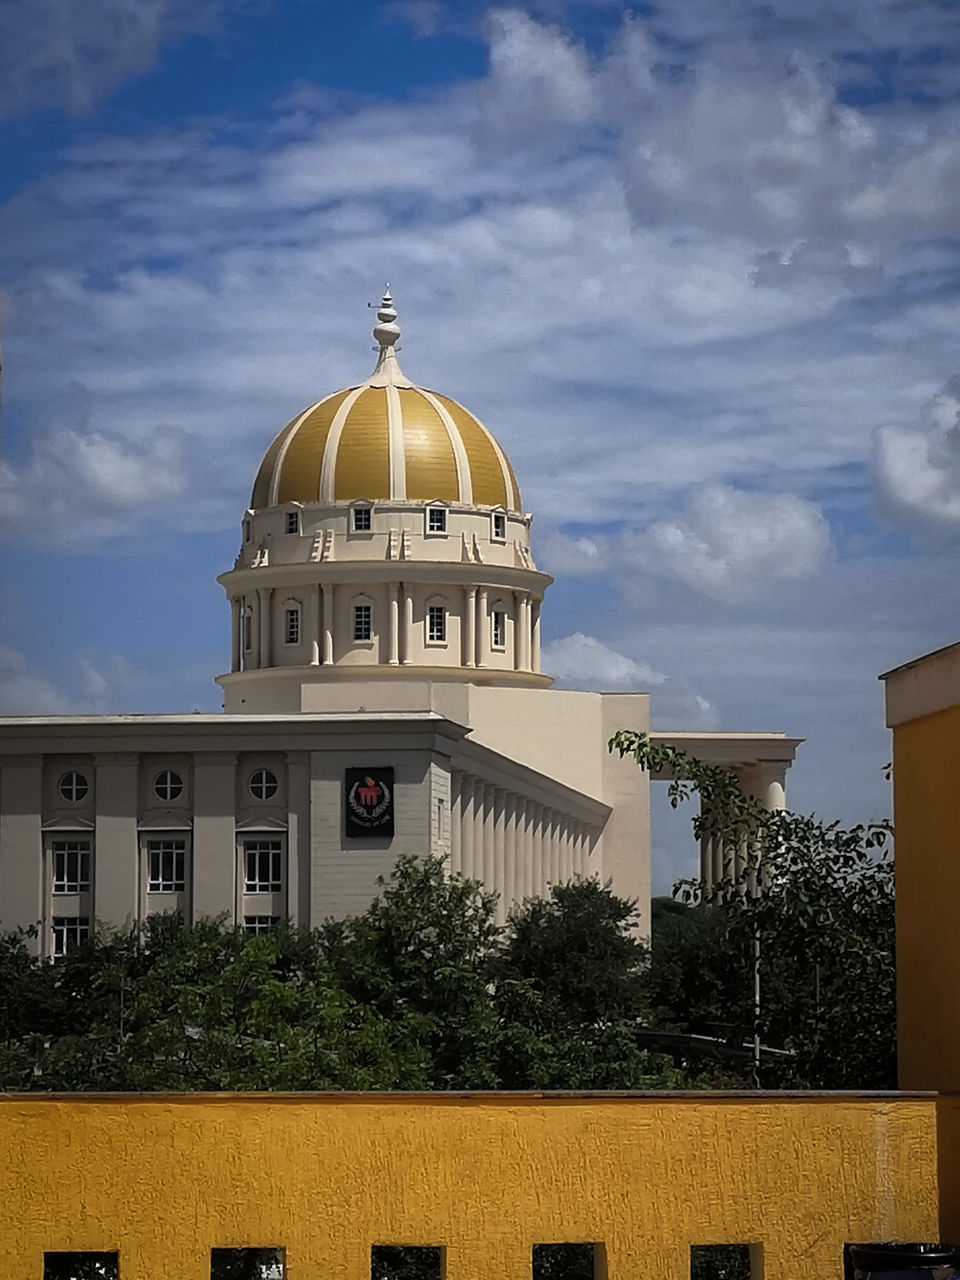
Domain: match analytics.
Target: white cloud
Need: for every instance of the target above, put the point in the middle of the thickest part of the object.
(70, 52)
(731, 545)
(918, 470)
(581, 661)
(78, 482)
(24, 691)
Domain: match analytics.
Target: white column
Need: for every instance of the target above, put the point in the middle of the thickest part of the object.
(511, 852)
(479, 842)
(315, 632)
(483, 628)
(407, 647)
(518, 617)
(523, 628)
(235, 639)
(498, 836)
(328, 621)
(535, 639)
(265, 594)
(467, 793)
(566, 850)
(525, 852)
(456, 817)
(470, 627)
(538, 845)
(394, 624)
(772, 794)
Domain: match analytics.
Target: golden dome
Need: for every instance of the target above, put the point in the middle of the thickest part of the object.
(386, 439)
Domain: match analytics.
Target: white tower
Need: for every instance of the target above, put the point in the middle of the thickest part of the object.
(385, 540)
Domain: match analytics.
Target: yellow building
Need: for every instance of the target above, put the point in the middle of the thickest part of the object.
(923, 710)
(164, 1180)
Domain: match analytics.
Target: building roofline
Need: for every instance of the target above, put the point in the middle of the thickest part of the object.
(914, 662)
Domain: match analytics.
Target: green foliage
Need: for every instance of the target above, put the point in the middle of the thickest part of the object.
(816, 899)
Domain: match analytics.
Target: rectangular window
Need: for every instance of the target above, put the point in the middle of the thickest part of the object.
(572, 1261)
(720, 1262)
(499, 630)
(499, 526)
(437, 520)
(262, 866)
(246, 530)
(400, 1261)
(66, 1266)
(71, 866)
(436, 623)
(69, 931)
(362, 621)
(291, 627)
(260, 924)
(293, 522)
(247, 629)
(361, 519)
(166, 859)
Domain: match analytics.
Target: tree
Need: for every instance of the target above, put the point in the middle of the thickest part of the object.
(817, 899)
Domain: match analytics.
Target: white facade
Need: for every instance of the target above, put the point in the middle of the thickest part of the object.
(385, 616)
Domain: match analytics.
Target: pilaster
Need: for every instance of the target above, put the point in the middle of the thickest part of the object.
(116, 848)
(214, 834)
(21, 842)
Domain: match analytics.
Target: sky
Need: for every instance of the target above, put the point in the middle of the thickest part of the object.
(695, 263)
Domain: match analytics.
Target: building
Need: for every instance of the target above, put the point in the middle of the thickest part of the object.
(923, 710)
(385, 697)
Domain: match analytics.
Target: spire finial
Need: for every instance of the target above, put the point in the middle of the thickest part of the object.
(386, 331)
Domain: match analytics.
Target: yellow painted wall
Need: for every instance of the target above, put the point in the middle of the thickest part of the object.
(165, 1179)
(926, 754)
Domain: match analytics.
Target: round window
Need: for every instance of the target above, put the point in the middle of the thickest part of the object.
(263, 784)
(73, 787)
(168, 785)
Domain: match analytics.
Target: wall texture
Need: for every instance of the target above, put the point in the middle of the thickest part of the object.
(928, 891)
(165, 1179)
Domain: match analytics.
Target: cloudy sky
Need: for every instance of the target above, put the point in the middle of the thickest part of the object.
(696, 263)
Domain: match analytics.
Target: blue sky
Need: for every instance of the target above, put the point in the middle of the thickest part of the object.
(695, 263)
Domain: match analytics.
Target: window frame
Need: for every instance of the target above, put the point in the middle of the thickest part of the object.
(176, 881)
(254, 926)
(433, 609)
(59, 927)
(364, 608)
(174, 785)
(440, 514)
(266, 878)
(361, 510)
(268, 782)
(498, 612)
(292, 634)
(64, 886)
(498, 518)
(292, 521)
(78, 783)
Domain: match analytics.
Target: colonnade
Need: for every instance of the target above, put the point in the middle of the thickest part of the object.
(764, 780)
(515, 846)
(252, 641)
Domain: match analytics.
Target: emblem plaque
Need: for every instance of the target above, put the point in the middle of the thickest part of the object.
(368, 803)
